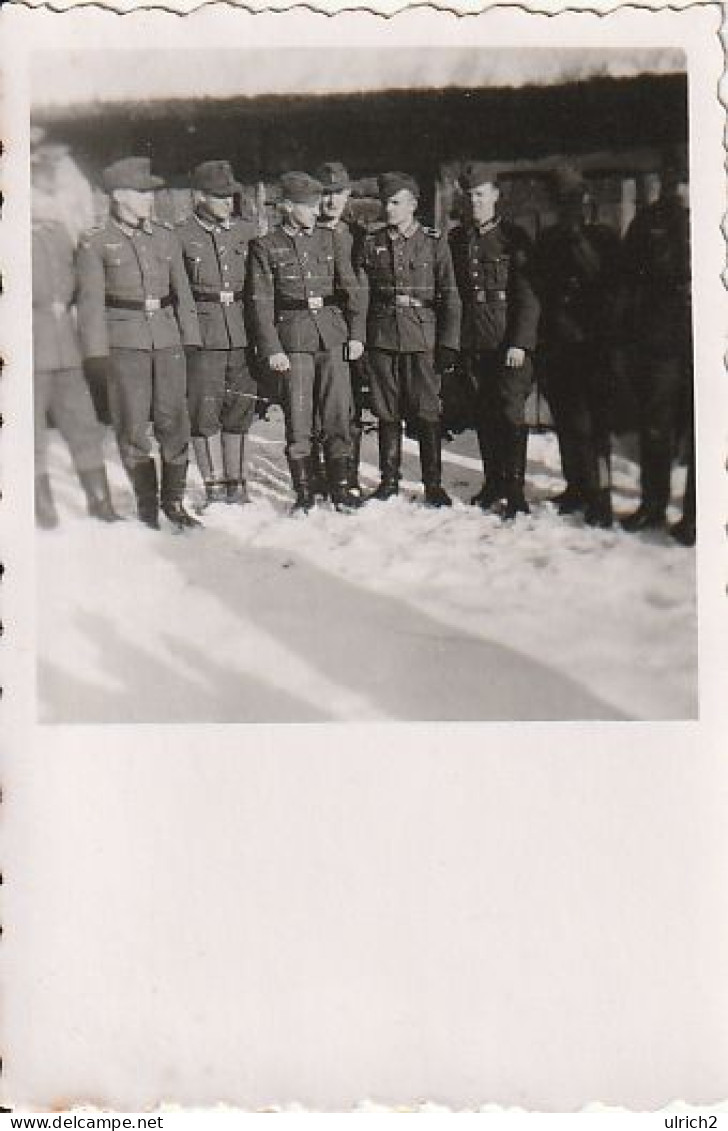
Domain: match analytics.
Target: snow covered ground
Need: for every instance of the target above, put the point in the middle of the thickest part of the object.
(396, 612)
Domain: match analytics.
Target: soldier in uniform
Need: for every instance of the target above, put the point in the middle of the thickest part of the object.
(336, 192)
(656, 302)
(576, 268)
(413, 331)
(500, 321)
(59, 386)
(307, 310)
(221, 393)
(136, 315)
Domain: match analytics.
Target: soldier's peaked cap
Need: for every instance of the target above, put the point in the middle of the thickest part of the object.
(216, 178)
(333, 176)
(131, 173)
(391, 183)
(476, 173)
(300, 188)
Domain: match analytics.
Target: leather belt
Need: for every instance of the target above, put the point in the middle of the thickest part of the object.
(224, 298)
(147, 304)
(481, 295)
(313, 302)
(407, 302)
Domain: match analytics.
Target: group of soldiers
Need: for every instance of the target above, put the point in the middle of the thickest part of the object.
(172, 325)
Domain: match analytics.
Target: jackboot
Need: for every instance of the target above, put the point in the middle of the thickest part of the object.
(233, 461)
(98, 496)
(655, 486)
(174, 477)
(354, 459)
(46, 515)
(390, 459)
(144, 481)
(208, 455)
(569, 501)
(494, 487)
(598, 510)
(318, 476)
(301, 479)
(342, 496)
(516, 450)
(431, 464)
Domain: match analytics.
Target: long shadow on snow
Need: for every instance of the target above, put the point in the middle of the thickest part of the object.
(406, 664)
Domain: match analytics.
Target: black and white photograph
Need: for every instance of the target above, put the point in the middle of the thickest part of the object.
(401, 346)
(363, 509)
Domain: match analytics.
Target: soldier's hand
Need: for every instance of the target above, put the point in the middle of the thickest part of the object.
(355, 349)
(515, 357)
(279, 362)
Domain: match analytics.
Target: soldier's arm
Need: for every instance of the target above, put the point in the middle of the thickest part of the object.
(525, 308)
(91, 301)
(447, 298)
(353, 287)
(260, 301)
(185, 305)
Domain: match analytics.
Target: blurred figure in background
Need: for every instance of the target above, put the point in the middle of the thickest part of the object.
(576, 268)
(657, 313)
(59, 386)
(221, 392)
(491, 257)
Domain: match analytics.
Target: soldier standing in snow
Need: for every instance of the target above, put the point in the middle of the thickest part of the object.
(413, 331)
(657, 305)
(576, 269)
(221, 392)
(306, 311)
(59, 386)
(136, 315)
(500, 320)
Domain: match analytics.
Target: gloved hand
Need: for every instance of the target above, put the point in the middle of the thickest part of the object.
(445, 358)
(279, 362)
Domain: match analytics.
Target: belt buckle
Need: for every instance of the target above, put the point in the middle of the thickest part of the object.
(227, 298)
(152, 304)
(315, 302)
(402, 300)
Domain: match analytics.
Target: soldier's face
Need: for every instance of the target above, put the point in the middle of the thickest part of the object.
(333, 204)
(133, 205)
(304, 213)
(483, 199)
(400, 208)
(217, 207)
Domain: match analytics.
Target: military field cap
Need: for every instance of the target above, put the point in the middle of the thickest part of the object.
(300, 188)
(391, 183)
(333, 176)
(216, 178)
(567, 183)
(477, 173)
(131, 173)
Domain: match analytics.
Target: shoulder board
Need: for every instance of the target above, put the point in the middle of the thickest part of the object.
(433, 233)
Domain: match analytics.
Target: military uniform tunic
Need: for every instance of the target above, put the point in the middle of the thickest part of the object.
(59, 386)
(576, 270)
(304, 300)
(137, 308)
(657, 322)
(220, 389)
(500, 310)
(413, 307)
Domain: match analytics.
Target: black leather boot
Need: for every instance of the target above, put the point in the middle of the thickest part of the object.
(569, 501)
(655, 486)
(390, 459)
(598, 510)
(354, 459)
(174, 478)
(431, 464)
(515, 468)
(318, 476)
(342, 496)
(144, 481)
(235, 487)
(46, 515)
(301, 479)
(494, 486)
(208, 454)
(98, 496)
